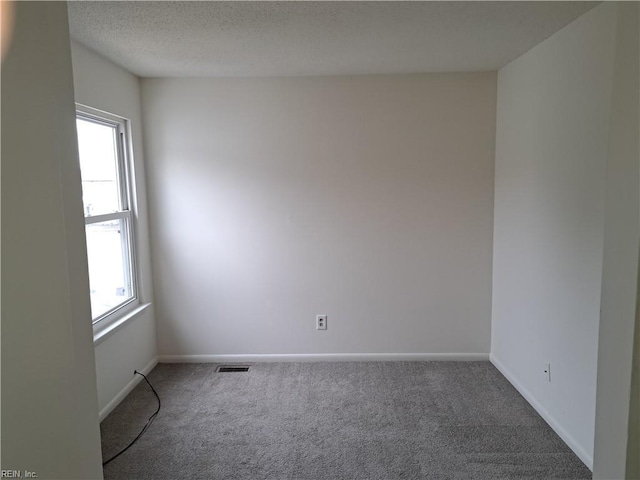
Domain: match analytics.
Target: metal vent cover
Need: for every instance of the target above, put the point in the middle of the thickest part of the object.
(232, 368)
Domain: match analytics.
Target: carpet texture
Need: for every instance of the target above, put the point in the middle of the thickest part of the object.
(343, 420)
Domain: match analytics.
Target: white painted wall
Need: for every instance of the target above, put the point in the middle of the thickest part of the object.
(551, 165)
(49, 404)
(101, 84)
(620, 266)
(369, 199)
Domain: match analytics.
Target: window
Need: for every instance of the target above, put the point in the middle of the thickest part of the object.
(106, 195)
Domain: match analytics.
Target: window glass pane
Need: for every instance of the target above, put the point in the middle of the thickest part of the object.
(109, 260)
(99, 165)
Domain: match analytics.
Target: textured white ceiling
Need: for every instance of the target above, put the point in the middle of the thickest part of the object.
(192, 39)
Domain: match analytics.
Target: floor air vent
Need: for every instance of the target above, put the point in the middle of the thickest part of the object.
(232, 368)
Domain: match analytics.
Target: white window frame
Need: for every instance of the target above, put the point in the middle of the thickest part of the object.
(126, 214)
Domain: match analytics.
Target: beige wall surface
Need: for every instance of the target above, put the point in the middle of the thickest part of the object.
(105, 86)
(49, 404)
(368, 199)
(620, 265)
(633, 446)
(551, 168)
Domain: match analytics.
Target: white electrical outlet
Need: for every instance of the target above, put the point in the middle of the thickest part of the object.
(547, 371)
(321, 322)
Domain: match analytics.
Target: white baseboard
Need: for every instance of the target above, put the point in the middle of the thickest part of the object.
(127, 389)
(324, 357)
(553, 423)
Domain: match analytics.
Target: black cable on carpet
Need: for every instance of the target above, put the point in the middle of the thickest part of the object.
(146, 426)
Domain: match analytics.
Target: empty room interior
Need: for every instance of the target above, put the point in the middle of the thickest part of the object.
(320, 240)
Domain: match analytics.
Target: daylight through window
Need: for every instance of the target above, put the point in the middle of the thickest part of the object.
(102, 145)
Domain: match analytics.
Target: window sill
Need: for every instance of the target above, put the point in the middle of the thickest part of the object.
(101, 334)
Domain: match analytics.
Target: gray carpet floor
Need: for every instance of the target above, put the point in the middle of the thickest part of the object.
(316, 421)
